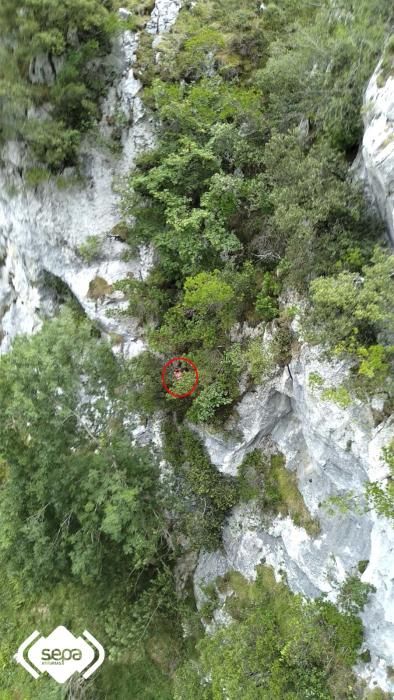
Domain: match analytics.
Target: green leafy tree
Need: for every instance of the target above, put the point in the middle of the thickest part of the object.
(352, 311)
(77, 500)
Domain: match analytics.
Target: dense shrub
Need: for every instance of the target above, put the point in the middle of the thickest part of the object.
(279, 646)
(79, 32)
(199, 495)
(238, 179)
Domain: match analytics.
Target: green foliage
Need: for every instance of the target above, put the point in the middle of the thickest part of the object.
(376, 694)
(352, 314)
(79, 32)
(52, 142)
(90, 249)
(387, 67)
(36, 176)
(200, 496)
(267, 299)
(275, 489)
(204, 408)
(355, 308)
(188, 237)
(374, 370)
(280, 647)
(234, 189)
(382, 497)
(315, 380)
(338, 395)
(182, 385)
(205, 314)
(261, 361)
(82, 517)
(318, 69)
(83, 483)
(354, 594)
(199, 326)
(318, 215)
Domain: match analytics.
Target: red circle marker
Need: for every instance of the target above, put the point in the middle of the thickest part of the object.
(164, 372)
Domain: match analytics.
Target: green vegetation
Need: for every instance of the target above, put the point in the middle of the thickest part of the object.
(52, 61)
(279, 647)
(376, 694)
(387, 67)
(199, 496)
(382, 498)
(354, 594)
(90, 249)
(247, 195)
(83, 523)
(353, 312)
(338, 395)
(247, 200)
(274, 487)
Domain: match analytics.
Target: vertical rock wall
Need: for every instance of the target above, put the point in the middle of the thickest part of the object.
(43, 228)
(333, 451)
(377, 155)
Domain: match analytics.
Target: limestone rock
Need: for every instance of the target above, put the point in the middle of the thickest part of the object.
(42, 229)
(333, 451)
(377, 156)
(44, 68)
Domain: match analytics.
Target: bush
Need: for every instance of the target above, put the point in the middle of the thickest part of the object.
(279, 646)
(354, 594)
(90, 249)
(44, 31)
(200, 495)
(52, 143)
(267, 305)
(275, 488)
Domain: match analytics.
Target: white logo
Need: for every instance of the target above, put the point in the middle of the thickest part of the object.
(60, 654)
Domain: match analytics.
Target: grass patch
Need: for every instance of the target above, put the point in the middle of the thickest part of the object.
(90, 249)
(36, 176)
(275, 488)
(338, 395)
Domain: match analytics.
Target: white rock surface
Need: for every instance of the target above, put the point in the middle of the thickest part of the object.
(333, 451)
(377, 157)
(41, 229)
(163, 16)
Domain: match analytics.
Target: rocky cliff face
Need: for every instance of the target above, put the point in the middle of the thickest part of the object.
(43, 229)
(377, 156)
(332, 450)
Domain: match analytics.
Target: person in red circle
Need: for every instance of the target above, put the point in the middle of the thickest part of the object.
(182, 374)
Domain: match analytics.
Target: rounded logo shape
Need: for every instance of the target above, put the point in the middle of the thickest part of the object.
(164, 372)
